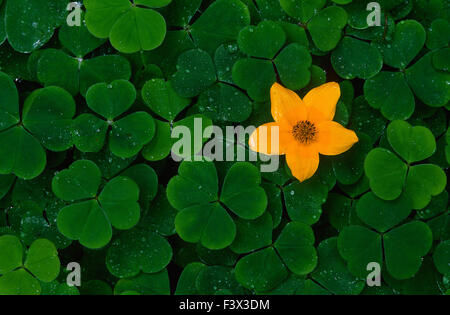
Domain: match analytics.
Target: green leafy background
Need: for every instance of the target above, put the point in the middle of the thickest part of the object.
(86, 175)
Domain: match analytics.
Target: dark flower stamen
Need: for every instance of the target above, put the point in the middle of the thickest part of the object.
(304, 132)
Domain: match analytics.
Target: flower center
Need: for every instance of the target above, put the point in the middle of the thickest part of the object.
(304, 132)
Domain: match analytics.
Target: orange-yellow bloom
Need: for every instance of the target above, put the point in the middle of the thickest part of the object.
(305, 128)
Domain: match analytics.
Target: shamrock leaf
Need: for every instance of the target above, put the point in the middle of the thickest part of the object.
(261, 271)
(302, 10)
(304, 200)
(293, 248)
(22, 277)
(145, 284)
(389, 175)
(388, 183)
(408, 40)
(293, 62)
(262, 41)
(195, 73)
(252, 234)
(78, 40)
(389, 92)
(354, 58)
(423, 182)
(349, 166)
(165, 138)
(399, 53)
(202, 217)
(326, 27)
(130, 28)
(147, 180)
(224, 102)
(89, 220)
(413, 144)
(30, 24)
(160, 96)
(54, 67)
(241, 191)
(215, 279)
(404, 246)
(441, 257)
(29, 221)
(437, 34)
(293, 65)
(381, 214)
(332, 273)
(46, 120)
(127, 135)
(364, 119)
(427, 82)
(255, 76)
(111, 100)
(186, 281)
(137, 250)
(220, 23)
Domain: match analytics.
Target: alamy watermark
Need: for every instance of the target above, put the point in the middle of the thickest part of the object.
(74, 276)
(374, 277)
(224, 146)
(74, 17)
(374, 17)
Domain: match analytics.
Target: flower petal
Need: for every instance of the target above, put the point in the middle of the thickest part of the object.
(333, 138)
(324, 98)
(287, 106)
(302, 160)
(265, 140)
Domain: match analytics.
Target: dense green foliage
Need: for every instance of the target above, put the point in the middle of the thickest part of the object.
(86, 175)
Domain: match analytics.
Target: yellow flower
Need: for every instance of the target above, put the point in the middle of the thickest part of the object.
(305, 128)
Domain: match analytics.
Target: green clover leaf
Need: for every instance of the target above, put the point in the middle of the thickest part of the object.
(256, 76)
(437, 34)
(304, 200)
(29, 221)
(145, 284)
(195, 73)
(408, 40)
(265, 269)
(413, 144)
(404, 246)
(46, 121)
(252, 234)
(427, 82)
(89, 220)
(389, 175)
(130, 28)
(380, 214)
(332, 273)
(302, 10)
(262, 41)
(22, 277)
(220, 23)
(261, 271)
(202, 217)
(54, 67)
(160, 96)
(137, 250)
(78, 40)
(29, 25)
(127, 135)
(326, 27)
(441, 257)
(389, 92)
(354, 58)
